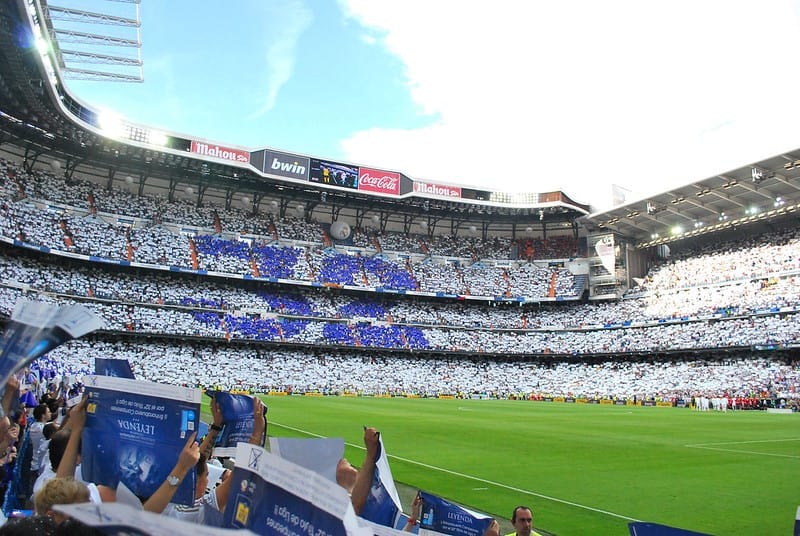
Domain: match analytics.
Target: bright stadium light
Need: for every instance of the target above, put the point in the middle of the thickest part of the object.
(158, 138)
(676, 230)
(110, 124)
(42, 46)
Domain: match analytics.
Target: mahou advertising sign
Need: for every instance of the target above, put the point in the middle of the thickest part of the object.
(437, 189)
(375, 180)
(218, 151)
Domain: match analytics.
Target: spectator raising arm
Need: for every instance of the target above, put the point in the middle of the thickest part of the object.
(367, 470)
(187, 460)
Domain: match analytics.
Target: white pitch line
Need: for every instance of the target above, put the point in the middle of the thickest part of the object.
(745, 451)
(477, 479)
(709, 446)
(744, 442)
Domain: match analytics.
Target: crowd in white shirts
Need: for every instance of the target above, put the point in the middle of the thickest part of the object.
(741, 296)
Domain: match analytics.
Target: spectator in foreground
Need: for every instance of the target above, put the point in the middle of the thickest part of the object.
(522, 519)
(60, 491)
(357, 482)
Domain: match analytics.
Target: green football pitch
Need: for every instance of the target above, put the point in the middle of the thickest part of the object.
(583, 469)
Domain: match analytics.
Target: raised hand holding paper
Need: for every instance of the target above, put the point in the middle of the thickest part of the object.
(36, 328)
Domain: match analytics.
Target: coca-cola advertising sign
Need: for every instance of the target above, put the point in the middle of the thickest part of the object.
(437, 189)
(218, 151)
(376, 180)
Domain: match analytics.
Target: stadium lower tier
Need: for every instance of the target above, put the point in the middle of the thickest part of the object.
(265, 368)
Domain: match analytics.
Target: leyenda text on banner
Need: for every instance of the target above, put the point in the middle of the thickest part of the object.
(135, 431)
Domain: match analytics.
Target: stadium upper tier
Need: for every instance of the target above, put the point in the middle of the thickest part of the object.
(757, 311)
(42, 210)
(735, 295)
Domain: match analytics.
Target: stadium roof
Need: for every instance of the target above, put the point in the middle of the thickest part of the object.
(757, 192)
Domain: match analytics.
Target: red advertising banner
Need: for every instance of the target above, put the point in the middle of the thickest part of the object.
(218, 151)
(375, 180)
(437, 189)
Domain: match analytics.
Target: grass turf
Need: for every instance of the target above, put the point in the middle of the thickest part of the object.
(584, 469)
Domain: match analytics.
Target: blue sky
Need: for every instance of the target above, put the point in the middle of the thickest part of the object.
(514, 95)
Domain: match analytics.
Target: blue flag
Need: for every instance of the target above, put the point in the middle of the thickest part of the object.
(134, 433)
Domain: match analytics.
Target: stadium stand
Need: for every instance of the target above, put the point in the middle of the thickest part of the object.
(703, 300)
(187, 288)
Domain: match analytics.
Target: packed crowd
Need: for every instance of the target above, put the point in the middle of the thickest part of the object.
(676, 309)
(737, 314)
(81, 198)
(265, 369)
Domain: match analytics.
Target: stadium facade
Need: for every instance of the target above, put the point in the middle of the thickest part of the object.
(297, 251)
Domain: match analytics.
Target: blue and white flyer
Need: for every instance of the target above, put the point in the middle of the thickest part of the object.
(383, 502)
(119, 368)
(117, 519)
(444, 517)
(270, 495)
(135, 431)
(38, 327)
(237, 415)
(320, 454)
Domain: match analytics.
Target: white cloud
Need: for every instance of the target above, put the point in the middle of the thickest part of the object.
(285, 22)
(576, 95)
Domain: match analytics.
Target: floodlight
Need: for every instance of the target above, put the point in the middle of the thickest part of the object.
(158, 138)
(42, 46)
(110, 124)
